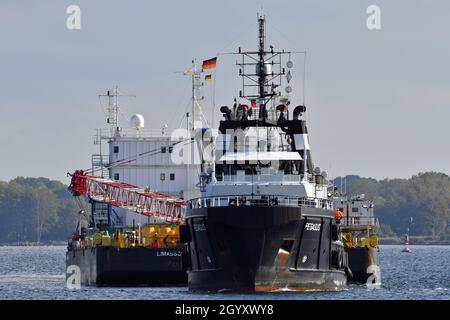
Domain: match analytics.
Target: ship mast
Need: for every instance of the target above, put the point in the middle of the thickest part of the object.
(259, 85)
(113, 109)
(261, 67)
(261, 54)
(197, 114)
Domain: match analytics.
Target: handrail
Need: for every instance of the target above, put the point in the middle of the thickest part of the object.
(258, 200)
(359, 221)
(141, 133)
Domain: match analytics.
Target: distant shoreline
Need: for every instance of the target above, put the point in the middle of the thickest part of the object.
(415, 241)
(33, 244)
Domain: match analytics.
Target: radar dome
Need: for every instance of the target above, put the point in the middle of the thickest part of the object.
(137, 121)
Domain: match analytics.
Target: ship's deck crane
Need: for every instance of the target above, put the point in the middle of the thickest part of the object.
(124, 195)
(127, 196)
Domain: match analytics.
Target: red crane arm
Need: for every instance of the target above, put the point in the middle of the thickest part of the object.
(124, 195)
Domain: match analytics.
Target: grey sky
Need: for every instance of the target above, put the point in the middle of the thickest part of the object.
(378, 101)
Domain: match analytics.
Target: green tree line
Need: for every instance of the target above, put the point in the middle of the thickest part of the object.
(36, 210)
(424, 197)
(39, 209)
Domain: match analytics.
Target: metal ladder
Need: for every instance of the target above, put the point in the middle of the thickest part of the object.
(100, 165)
(100, 212)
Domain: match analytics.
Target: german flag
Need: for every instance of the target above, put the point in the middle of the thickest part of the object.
(208, 77)
(209, 64)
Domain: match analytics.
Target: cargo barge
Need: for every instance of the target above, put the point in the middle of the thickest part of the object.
(131, 204)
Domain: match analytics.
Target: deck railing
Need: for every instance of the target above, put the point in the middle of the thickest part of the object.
(259, 201)
(355, 221)
(141, 133)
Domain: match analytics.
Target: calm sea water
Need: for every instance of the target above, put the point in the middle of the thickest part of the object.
(38, 273)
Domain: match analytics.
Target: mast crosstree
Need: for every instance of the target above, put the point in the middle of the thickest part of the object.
(261, 71)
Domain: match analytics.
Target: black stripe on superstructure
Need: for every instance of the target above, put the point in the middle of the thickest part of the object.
(288, 126)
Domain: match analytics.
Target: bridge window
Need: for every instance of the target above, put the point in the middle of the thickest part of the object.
(290, 166)
(172, 176)
(116, 176)
(254, 167)
(116, 149)
(163, 149)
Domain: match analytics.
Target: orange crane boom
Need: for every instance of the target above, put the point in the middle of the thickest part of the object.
(127, 196)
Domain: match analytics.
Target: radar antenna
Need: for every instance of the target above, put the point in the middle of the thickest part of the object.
(113, 109)
(265, 78)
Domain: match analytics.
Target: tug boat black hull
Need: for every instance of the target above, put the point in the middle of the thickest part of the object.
(140, 266)
(261, 249)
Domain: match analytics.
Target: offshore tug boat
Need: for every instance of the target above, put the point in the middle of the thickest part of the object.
(264, 221)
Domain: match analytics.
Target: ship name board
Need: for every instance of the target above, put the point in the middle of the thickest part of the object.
(168, 254)
(312, 226)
